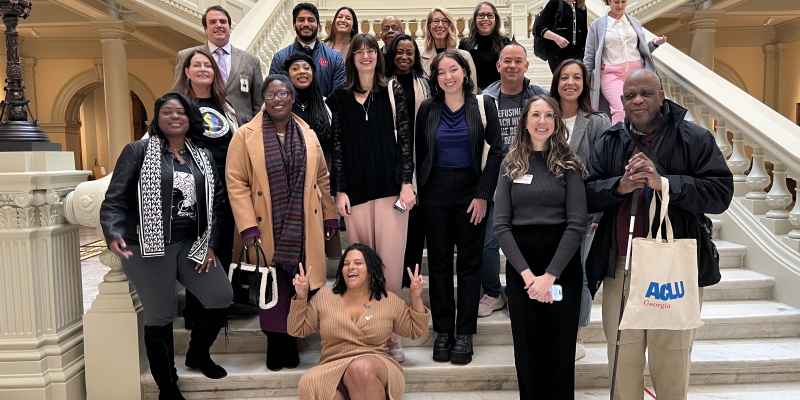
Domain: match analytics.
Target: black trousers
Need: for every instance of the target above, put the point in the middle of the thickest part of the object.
(415, 243)
(444, 202)
(544, 334)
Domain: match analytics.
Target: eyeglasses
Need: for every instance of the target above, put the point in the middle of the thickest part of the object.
(282, 95)
(365, 52)
(440, 21)
(485, 16)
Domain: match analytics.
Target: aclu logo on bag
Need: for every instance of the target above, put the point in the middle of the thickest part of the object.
(664, 292)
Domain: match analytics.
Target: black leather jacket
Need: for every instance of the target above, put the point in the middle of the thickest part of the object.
(119, 213)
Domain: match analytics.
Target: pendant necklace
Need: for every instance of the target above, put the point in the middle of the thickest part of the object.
(367, 102)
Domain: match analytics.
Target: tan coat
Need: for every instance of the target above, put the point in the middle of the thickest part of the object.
(344, 340)
(248, 190)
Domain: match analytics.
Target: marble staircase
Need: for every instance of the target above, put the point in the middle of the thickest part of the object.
(748, 348)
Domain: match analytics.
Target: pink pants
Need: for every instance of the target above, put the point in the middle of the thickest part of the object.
(612, 79)
(378, 225)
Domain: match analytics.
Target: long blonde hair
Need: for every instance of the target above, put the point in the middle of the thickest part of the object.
(452, 30)
(558, 156)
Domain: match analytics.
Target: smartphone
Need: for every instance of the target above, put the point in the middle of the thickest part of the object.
(556, 292)
(399, 206)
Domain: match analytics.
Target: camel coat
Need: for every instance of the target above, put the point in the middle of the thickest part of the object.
(344, 340)
(248, 190)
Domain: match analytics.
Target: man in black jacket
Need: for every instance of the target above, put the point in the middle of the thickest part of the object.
(652, 142)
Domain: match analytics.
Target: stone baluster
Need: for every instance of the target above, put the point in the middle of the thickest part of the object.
(721, 137)
(690, 103)
(465, 31)
(418, 33)
(706, 120)
(793, 238)
(323, 31)
(407, 27)
(757, 180)
(738, 162)
(778, 200)
(371, 27)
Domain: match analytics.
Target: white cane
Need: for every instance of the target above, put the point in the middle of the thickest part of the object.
(634, 207)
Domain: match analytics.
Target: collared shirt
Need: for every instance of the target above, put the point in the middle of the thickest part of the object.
(228, 49)
(621, 42)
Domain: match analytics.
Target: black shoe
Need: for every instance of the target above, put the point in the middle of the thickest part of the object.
(203, 336)
(159, 344)
(461, 353)
(442, 346)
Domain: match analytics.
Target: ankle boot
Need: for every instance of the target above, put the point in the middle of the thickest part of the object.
(203, 335)
(275, 346)
(159, 345)
(291, 353)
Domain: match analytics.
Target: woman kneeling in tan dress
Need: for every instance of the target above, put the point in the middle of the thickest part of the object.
(355, 320)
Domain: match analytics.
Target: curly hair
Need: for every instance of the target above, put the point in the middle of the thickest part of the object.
(558, 155)
(377, 282)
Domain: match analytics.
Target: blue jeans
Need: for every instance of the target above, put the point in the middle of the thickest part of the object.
(490, 260)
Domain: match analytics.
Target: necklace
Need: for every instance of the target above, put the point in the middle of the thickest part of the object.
(302, 106)
(368, 103)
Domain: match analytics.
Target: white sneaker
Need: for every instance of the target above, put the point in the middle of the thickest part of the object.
(490, 304)
(580, 351)
(395, 349)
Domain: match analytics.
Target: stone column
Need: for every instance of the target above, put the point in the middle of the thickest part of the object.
(519, 19)
(703, 28)
(117, 90)
(41, 327)
(771, 70)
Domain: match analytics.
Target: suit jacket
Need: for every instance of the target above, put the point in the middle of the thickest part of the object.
(593, 56)
(427, 124)
(244, 66)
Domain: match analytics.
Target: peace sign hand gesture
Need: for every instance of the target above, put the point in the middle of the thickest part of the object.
(416, 283)
(300, 283)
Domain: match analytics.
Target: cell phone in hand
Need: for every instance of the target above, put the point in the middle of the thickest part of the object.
(557, 292)
(398, 206)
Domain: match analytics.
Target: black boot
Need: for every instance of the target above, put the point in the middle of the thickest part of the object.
(204, 333)
(461, 353)
(275, 352)
(291, 354)
(159, 344)
(192, 308)
(442, 346)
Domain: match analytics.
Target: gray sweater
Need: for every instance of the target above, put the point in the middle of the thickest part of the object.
(547, 200)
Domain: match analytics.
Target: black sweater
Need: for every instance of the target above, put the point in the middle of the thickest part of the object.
(547, 200)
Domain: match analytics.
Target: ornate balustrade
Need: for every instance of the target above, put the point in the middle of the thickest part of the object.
(265, 30)
(648, 10)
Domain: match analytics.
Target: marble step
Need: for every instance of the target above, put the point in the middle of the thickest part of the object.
(723, 320)
(731, 255)
(781, 391)
(713, 362)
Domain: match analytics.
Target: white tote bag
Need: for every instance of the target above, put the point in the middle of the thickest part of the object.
(663, 284)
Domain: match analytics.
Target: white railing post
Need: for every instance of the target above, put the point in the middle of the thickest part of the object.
(418, 33)
(778, 199)
(757, 180)
(721, 137)
(793, 238)
(738, 162)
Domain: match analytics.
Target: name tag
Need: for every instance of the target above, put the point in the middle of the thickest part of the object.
(244, 85)
(524, 179)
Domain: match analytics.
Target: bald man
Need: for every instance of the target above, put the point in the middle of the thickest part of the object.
(699, 183)
(390, 28)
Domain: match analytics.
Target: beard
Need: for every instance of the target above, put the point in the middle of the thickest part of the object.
(308, 38)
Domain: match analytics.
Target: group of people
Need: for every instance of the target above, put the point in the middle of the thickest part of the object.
(448, 147)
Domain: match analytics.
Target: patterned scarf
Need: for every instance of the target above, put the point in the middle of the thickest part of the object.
(286, 173)
(151, 222)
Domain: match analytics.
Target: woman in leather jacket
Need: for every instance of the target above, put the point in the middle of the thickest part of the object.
(159, 217)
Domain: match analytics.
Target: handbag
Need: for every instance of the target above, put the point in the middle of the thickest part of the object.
(540, 45)
(258, 280)
(664, 291)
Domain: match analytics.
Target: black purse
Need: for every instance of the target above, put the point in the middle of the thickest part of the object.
(258, 280)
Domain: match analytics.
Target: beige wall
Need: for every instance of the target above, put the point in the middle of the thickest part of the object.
(790, 87)
(748, 63)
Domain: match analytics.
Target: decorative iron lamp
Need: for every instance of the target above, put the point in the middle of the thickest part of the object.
(17, 131)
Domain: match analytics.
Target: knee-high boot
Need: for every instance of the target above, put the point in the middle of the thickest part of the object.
(206, 329)
(160, 347)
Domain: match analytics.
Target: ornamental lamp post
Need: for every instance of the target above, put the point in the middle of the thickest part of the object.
(17, 131)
